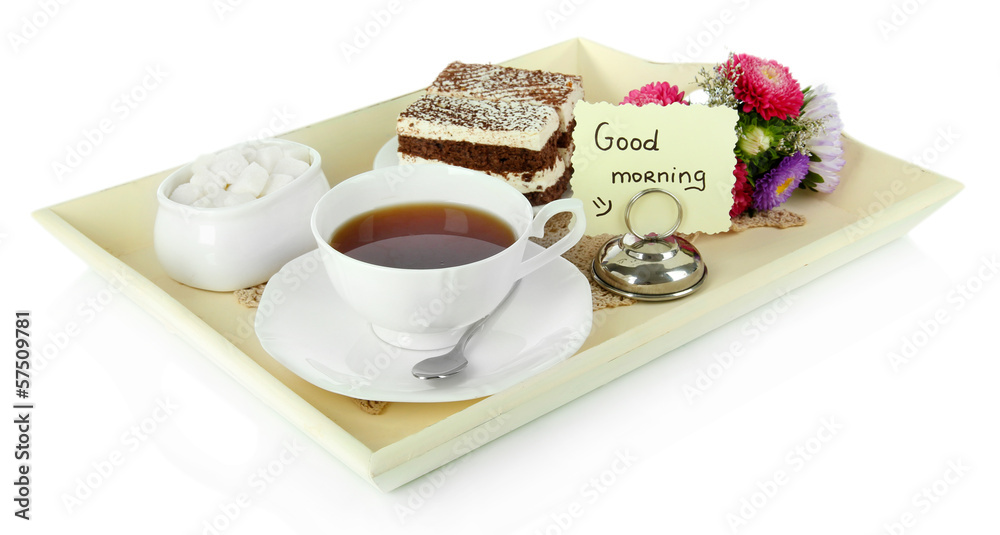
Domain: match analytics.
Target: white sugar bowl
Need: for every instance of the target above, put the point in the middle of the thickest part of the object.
(231, 239)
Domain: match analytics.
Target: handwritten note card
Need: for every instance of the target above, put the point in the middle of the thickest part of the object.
(686, 150)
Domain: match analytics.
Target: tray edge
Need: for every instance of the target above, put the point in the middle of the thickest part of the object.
(189, 327)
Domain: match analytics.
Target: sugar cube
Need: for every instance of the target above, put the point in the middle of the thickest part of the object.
(212, 189)
(219, 199)
(212, 192)
(202, 202)
(297, 152)
(275, 182)
(187, 193)
(248, 152)
(268, 156)
(290, 166)
(202, 162)
(229, 164)
(206, 178)
(252, 180)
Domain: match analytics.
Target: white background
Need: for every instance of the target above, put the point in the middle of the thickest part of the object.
(916, 80)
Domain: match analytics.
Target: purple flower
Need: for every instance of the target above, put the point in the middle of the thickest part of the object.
(828, 145)
(778, 184)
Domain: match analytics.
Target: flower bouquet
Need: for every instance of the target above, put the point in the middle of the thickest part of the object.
(788, 137)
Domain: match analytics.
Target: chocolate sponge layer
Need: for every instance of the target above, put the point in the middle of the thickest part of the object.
(553, 192)
(565, 138)
(481, 157)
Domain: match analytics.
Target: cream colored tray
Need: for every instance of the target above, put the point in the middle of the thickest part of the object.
(876, 203)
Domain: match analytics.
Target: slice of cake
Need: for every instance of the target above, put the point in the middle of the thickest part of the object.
(498, 83)
(514, 141)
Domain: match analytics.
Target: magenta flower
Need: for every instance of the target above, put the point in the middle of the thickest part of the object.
(767, 87)
(661, 93)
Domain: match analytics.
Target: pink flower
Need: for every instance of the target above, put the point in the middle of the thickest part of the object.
(766, 86)
(661, 93)
(742, 190)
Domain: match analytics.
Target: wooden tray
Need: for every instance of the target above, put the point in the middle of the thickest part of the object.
(879, 199)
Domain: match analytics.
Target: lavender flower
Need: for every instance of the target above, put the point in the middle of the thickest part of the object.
(826, 145)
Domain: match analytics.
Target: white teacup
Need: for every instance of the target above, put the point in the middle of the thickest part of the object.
(429, 308)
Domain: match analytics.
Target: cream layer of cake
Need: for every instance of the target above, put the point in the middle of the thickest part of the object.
(510, 124)
(499, 83)
(535, 182)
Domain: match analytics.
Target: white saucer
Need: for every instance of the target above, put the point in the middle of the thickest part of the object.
(388, 155)
(304, 325)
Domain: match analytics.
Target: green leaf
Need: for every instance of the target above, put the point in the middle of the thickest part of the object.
(811, 180)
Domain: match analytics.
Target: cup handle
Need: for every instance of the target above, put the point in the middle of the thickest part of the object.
(537, 230)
